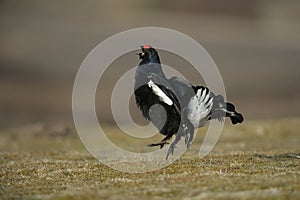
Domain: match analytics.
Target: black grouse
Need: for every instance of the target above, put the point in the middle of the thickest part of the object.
(173, 105)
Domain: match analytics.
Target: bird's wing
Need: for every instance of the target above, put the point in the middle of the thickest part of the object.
(184, 90)
(164, 90)
(196, 100)
(180, 85)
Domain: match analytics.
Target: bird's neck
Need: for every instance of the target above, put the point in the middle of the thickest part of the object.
(144, 70)
(154, 59)
(151, 67)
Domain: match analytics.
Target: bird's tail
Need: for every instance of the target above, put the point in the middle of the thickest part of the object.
(234, 116)
(222, 109)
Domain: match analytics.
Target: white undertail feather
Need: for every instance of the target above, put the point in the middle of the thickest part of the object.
(199, 107)
(162, 96)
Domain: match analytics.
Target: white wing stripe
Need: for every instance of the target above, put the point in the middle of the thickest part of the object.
(162, 96)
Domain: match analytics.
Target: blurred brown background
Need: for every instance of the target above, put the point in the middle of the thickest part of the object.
(256, 45)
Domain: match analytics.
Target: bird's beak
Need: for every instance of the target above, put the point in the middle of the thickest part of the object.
(141, 55)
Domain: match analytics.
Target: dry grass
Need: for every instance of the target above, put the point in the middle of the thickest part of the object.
(254, 160)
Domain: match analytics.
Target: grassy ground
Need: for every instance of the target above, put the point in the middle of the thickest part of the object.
(259, 159)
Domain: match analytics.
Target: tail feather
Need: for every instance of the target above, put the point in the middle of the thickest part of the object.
(225, 109)
(230, 106)
(234, 116)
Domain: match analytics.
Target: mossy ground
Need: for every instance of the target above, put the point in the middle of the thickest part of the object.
(257, 159)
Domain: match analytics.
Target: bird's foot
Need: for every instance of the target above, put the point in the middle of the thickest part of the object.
(171, 150)
(188, 140)
(189, 136)
(161, 144)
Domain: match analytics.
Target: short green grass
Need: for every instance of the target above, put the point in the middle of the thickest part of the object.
(257, 159)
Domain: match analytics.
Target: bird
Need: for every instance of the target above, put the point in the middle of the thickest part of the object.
(174, 105)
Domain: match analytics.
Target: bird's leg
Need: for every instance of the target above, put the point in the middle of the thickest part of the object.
(187, 129)
(188, 141)
(186, 134)
(173, 144)
(189, 135)
(161, 143)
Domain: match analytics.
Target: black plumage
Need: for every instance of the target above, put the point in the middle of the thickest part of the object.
(173, 105)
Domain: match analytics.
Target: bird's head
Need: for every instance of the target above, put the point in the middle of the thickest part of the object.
(150, 63)
(148, 54)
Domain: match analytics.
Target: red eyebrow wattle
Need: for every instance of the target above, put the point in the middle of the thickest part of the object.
(147, 46)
